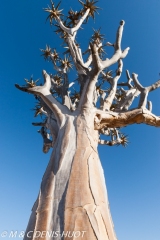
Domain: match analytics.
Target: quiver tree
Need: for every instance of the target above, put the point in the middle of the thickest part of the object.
(79, 115)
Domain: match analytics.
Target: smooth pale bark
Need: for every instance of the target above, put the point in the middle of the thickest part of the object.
(113, 81)
(122, 119)
(73, 195)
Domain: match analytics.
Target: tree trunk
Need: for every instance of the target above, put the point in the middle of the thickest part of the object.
(73, 198)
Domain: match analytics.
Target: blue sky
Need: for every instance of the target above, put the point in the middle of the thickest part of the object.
(132, 173)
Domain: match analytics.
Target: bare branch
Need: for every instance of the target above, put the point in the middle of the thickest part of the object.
(50, 124)
(154, 86)
(72, 31)
(128, 83)
(127, 100)
(47, 143)
(116, 136)
(122, 119)
(133, 92)
(93, 77)
(77, 27)
(119, 54)
(89, 61)
(113, 81)
(117, 44)
(44, 92)
(70, 35)
(77, 56)
(149, 106)
(109, 143)
(144, 90)
(95, 58)
(110, 44)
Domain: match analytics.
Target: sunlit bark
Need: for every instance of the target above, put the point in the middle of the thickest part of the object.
(73, 195)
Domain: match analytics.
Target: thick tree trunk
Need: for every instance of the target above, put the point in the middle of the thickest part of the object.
(73, 198)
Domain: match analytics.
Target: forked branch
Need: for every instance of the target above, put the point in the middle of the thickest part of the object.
(72, 31)
(144, 90)
(113, 81)
(118, 54)
(129, 80)
(44, 92)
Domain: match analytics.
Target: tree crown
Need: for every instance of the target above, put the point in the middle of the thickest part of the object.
(96, 85)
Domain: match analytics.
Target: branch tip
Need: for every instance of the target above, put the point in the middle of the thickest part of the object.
(135, 74)
(24, 89)
(122, 22)
(44, 72)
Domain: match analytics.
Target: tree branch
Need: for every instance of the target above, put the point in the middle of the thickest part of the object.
(119, 54)
(128, 96)
(72, 31)
(76, 28)
(44, 92)
(144, 90)
(51, 124)
(128, 83)
(47, 143)
(149, 103)
(93, 77)
(127, 100)
(117, 46)
(122, 119)
(75, 51)
(113, 81)
(88, 91)
(77, 57)
(109, 143)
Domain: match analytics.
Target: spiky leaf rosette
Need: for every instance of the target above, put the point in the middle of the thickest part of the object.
(38, 110)
(31, 83)
(54, 12)
(124, 140)
(97, 37)
(46, 52)
(66, 63)
(57, 79)
(91, 6)
(73, 17)
(50, 54)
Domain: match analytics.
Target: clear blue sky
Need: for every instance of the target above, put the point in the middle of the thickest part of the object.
(132, 174)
